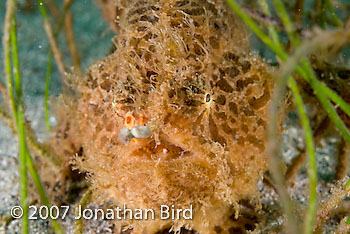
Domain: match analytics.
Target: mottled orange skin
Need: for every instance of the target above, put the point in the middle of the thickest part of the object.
(183, 69)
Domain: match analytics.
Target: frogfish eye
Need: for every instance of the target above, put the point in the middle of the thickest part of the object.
(207, 98)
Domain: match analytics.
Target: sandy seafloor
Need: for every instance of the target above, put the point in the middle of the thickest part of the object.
(93, 38)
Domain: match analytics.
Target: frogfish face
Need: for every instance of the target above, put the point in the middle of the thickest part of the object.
(177, 114)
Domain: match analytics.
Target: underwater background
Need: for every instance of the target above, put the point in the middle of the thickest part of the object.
(93, 39)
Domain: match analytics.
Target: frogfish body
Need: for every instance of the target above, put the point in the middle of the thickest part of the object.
(177, 114)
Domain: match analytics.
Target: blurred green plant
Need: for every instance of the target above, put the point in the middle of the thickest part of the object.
(324, 94)
(10, 45)
(67, 5)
